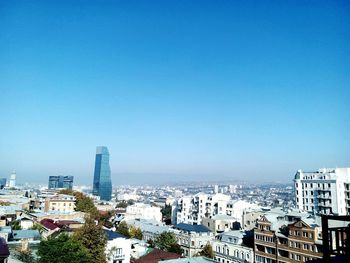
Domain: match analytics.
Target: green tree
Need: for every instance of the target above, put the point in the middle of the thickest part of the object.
(92, 236)
(83, 203)
(207, 251)
(122, 204)
(135, 232)
(16, 225)
(166, 211)
(62, 249)
(166, 241)
(123, 229)
(176, 248)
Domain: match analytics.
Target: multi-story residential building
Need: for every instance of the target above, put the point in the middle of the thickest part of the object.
(249, 219)
(324, 191)
(118, 248)
(102, 185)
(192, 209)
(59, 181)
(229, 247)
(219, 223)
(143, 211)
(60, 203)
(236, 208)
(286, 238)
(192, 238)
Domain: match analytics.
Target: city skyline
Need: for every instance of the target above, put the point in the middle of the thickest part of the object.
(225, 91)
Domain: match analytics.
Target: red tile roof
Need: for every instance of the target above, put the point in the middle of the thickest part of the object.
(157, 255)
(49, 224)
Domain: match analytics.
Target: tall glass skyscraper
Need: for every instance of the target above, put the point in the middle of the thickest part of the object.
(60, 181)
(102, 185)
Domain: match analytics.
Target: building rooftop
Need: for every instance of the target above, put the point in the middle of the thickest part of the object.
(21, 234)
(157, 255)
(192, 228)
(113, 235)
(191, 260)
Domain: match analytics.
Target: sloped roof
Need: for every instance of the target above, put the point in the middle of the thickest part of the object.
(49, 224)
(191, 228)
(21, 234)
(157, 255)
(113, 235)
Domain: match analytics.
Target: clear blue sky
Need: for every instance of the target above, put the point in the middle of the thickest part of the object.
(177, 90)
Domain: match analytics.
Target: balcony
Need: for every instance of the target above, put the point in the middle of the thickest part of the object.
(335, 239)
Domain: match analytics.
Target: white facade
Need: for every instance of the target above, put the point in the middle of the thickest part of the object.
(238, 207)
(143, 211)
(12, 182)
(323, 191)
(118, 250)
(192, 209)
(229, 248)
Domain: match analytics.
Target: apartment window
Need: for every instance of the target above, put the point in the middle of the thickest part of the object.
(297, 233)
(329, 185)
(297, 257)
(306, 247)
(304, 234)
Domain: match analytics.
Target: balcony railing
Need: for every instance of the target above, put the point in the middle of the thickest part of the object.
(336, 240)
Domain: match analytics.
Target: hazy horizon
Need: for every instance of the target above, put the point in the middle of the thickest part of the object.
(220, 90)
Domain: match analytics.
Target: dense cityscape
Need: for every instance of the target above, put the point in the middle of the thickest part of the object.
(174, 131)
(222, 222)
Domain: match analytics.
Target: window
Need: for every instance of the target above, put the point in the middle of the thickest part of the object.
(306, 247)
(304, 234)
(297, 257)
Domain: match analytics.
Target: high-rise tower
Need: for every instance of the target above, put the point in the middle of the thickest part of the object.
(12, 182)
(102, 185)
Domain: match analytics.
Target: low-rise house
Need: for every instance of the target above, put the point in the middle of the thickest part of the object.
(30, 235)
(118, 248)
(25, 222)
(49, 227)
(229, 247)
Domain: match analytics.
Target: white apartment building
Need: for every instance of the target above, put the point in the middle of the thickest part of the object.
(326, 191)
(143, 211)
(192, 209)
(118, 248)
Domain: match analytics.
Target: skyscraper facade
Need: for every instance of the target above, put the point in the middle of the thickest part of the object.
(12, 182)
(60, 181)
(102, 185)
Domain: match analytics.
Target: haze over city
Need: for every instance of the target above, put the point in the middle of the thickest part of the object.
(177, 92)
